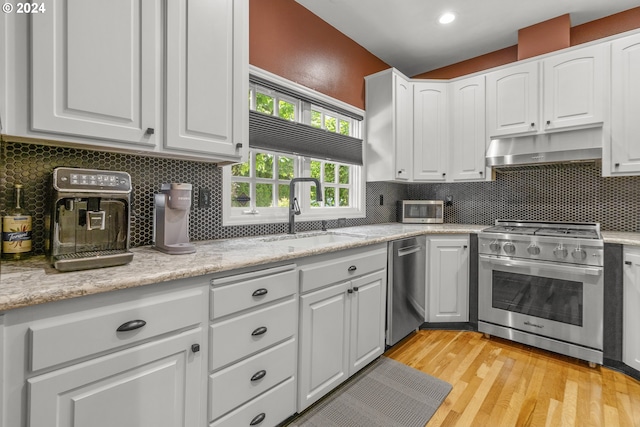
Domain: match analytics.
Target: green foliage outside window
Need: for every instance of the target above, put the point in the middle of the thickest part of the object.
(286, 110)
(264, 103)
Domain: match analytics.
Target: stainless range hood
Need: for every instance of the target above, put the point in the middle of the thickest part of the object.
(560, 147)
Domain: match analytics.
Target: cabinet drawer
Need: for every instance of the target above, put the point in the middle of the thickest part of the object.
(231, 387)
(273, 407)
(249, 333)
(252, 289)
(82, 334)
(341, 268)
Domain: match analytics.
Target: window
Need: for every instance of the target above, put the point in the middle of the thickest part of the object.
(257, 191)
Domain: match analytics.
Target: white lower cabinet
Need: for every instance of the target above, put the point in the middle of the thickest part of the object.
(631, 315)
(154, 385)
(342, 318)
(447, 279)
(132, 358)
(253, 341)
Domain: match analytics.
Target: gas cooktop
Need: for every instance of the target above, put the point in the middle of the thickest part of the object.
(566, 242)
(582, 230)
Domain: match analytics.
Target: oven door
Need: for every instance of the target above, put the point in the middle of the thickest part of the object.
(559, 301)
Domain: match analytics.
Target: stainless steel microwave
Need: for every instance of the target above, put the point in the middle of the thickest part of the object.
(420, 211)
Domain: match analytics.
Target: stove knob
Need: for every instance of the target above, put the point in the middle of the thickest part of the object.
(509, 248)
(560, 252)
(579, 254)
(533, 249)
(494, 246)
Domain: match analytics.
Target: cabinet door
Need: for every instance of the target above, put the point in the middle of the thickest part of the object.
(468, 120)
(631, 315)
(430, 131)
(574, 85)
(157, 384)
(90, 78)
(206, 89)
(368, 304)
(625, 106)
(402, 124)
(448, 279)
(512, 100)
(324, 342)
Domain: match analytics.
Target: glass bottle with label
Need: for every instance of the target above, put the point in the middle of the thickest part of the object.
(16, 228)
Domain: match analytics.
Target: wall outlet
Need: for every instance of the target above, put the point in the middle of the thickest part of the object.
(204, 198)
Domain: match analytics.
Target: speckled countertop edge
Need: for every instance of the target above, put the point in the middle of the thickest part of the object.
(34, 281)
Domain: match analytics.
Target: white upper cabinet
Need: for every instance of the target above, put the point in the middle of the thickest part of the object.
(403, 129)
(389, 106)
(570, 93)
(430, 131)
(468, 137)
(512, 100)
(91, 81)
(170, 78)
(574, 88)
(621, 154)
(207, 85)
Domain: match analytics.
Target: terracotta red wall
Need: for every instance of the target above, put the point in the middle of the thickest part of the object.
(594, 30)
(544, 37)
(288, 40)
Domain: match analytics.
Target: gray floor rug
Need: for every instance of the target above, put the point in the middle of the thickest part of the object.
(386, 393)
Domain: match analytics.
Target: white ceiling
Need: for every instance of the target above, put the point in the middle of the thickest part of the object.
(406, 34)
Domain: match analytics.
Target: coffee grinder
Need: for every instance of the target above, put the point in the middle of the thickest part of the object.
(89, 219)
(171, 219)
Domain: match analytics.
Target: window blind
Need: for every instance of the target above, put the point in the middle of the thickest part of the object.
(274, 133)
(277, 134)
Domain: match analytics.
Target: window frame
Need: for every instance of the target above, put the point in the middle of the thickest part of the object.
(302, 165)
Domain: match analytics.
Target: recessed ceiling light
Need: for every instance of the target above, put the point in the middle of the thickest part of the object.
(447, 18)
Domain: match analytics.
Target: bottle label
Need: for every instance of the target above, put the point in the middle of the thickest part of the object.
(16, 234)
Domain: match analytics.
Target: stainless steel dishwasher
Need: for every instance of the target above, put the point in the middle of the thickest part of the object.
(406, 287)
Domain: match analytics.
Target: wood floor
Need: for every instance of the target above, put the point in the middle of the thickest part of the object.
(500, 383)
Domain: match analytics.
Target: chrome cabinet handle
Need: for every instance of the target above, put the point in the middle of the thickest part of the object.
(131, 325)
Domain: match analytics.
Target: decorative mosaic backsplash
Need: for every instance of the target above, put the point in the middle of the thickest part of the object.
(561, 193)
(32, 166)
(569, 192)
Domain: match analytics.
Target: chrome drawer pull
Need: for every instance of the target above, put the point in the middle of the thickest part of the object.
(259, 375)
(258, 419)
(259, 292)
(131, 325)
(259, 331)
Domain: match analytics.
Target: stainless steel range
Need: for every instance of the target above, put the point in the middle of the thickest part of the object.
(541, 284)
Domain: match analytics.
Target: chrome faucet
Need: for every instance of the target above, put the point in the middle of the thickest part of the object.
(294, 208)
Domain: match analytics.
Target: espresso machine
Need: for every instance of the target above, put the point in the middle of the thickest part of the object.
(89, 219)
(171, 209)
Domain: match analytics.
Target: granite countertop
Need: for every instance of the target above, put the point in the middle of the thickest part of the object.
(35, 281)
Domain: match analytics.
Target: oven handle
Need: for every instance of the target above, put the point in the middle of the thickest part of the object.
(592, 271)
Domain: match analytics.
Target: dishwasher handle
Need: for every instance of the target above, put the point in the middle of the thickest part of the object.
(409, 250)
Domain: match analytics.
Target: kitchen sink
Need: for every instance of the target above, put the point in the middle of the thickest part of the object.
(309, 240)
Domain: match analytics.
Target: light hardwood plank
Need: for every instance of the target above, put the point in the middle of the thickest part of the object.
(500, 383)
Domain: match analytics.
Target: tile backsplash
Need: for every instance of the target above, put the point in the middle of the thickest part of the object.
(558, 193)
